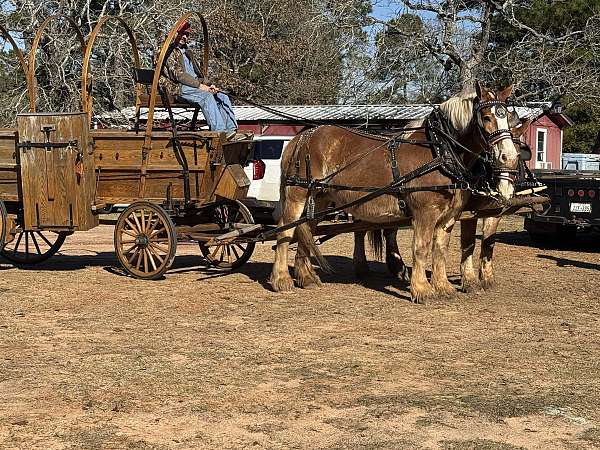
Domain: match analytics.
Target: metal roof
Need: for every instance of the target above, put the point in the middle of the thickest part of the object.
(335, 112)
(331, 113)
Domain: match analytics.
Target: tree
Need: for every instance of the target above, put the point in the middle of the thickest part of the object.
(562, 62)
(284, 52)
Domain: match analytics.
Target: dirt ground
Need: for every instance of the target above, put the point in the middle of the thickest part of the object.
(92, 359)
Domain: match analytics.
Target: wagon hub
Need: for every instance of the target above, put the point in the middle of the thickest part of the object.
(142, 241)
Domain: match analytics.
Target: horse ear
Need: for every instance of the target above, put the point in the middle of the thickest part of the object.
(518, 132)
(483, 93)
(504, 94)
(478, 89)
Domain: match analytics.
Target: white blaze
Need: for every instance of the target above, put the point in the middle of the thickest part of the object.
(507, 157)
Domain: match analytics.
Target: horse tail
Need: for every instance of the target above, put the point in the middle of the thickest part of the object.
(305, 238)
(289, 149)
(375, 238)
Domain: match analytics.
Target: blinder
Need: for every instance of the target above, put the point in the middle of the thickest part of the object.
(500, 111)
(525, 153)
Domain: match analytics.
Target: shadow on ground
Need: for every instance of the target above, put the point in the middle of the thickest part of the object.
(584, 242)
(566, 262)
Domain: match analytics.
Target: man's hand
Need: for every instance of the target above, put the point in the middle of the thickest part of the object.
(212, 88)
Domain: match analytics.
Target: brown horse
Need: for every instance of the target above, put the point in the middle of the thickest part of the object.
(347, 158)
(469, 280)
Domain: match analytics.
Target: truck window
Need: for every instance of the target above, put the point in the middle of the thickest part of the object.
(268, 149)
(571, 165)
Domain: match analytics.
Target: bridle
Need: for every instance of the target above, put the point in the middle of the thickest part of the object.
(500, 111)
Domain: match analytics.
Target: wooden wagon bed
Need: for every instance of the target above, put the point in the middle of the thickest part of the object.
(121, 176)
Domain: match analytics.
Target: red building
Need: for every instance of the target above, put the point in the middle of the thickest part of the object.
(545, 137)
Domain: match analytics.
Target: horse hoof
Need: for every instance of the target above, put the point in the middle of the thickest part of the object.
(309, 286)
(470, 286)
(309, 282)
(282, 284)
(445, 290)
(488, 284)
(404, 275)
(420, 296)
(395, 267)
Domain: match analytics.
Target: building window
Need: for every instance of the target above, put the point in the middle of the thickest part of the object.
(542, 135)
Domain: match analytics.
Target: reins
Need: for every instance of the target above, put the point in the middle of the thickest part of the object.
(441, 140)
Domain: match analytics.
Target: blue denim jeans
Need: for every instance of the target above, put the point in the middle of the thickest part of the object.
(217, 108)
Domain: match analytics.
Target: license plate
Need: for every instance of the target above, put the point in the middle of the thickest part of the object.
(581, 207)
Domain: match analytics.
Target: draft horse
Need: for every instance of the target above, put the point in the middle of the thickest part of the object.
(476, 123)
(469, 280)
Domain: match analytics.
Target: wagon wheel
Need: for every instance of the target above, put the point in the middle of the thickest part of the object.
(234, 254)
(145, 240)
(3, 222)
(33, 247)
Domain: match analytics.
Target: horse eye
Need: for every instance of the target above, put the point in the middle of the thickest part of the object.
(487, 119)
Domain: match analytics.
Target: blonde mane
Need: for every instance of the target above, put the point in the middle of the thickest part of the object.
(459, 110)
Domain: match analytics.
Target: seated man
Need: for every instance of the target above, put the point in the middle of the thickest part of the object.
(184, 75)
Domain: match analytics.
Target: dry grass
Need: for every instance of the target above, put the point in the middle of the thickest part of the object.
(92, 359)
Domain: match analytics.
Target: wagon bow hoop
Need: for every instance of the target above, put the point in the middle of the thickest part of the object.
(87, 99)
(162, 58)
(31, 80)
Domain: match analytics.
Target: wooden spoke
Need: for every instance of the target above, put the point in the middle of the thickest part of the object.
(230, 255)
(151, 258)
(156, 232)
(33, 247)
(128, 251)
(129, 233)
(37, 247)
(44, 239)
(137, 223)
(157, 255)
(152, 227)
(159, 248)
(17, 243)
(143, 220)
(138, 260)
(145, 260)
(132, 227)
(213, 255)
(134, 255)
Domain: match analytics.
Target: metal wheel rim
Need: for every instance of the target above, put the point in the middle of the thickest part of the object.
(33, 247)
(145, 240)
(235, 254)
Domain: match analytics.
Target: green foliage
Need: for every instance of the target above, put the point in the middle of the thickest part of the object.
(555, 19)
(404, 72)
(583, 136)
